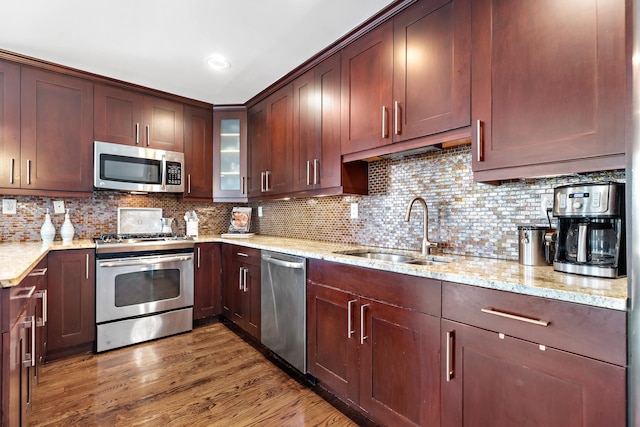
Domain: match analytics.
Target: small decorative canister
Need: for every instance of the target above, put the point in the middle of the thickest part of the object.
(67, 231)
(47, 231)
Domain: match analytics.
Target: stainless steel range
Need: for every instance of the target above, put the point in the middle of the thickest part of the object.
(144, 287)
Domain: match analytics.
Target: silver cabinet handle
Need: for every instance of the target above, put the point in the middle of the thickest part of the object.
(350, 330)
(189, 183)
(243, 189)
(25, 294)
(86, 266)
(480, 141)
(262, 174)
(240, 279)
(315, 171)
(148, 135)
(242, 254)
(38, 272)
(11, 170)
(137, 133)
(266, 180)
(244, 278)
(363, 337)
(29, 358)
(28, 172)
(198, 257)
(396, 118)
(515, 317)
(42, 295)
(308, 170)
(384, 122)
(449, 362)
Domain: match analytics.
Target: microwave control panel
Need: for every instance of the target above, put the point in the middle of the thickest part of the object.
(174, 173)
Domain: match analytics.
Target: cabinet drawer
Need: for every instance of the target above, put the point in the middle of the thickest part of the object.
(15, 298)
(590, 331)
(245, 255)
(416, 293)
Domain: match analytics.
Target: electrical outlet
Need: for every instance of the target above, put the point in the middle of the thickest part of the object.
(9, 206)
(546, 202)
(354, 211)
(58, 206)
(259, 211)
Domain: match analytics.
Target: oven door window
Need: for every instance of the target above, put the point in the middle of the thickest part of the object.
(140, 287)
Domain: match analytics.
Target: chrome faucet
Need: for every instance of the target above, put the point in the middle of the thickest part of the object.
(426, 244)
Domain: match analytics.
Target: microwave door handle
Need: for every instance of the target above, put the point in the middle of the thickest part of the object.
(164, 172)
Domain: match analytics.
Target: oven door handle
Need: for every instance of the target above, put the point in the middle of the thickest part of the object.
(144, 261)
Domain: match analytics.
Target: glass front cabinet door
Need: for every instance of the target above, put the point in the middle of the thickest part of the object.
(230, 154)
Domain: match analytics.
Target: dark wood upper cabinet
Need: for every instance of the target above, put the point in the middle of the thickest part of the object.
(431, 68)
(270, 142)
(316, 127)
(367, 73)
(9, 125)
(408, 79)
(56, 132)
(548, 87)
(128, 117)
(198, 153)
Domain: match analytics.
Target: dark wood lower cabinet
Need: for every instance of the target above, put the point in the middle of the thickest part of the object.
(380, 357)
(207, 291)
(498, 380)
(241, 288)
(72, 318)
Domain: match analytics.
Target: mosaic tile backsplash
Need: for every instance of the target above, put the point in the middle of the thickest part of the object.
(465, 217)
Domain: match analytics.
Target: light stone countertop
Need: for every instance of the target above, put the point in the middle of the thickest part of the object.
(17, 259)
(541, 281)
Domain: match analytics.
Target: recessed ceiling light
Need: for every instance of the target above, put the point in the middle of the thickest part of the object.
(218, 62)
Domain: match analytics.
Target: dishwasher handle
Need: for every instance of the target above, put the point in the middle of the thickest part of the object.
(282, 263)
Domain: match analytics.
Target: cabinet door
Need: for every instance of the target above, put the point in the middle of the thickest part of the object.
(230, 283)
(72, 302)
(431, 70)
(230, 159)
(9, 125)
(279, 173)
(367, 73)
(548, 87)
(305, 153)
(163, 124)
(198, 153)
(332, 341)
(399, 365)
(258, 153)
(207, 283)
(16, 370)
(490, 379)
(56, 132)
(117, 116)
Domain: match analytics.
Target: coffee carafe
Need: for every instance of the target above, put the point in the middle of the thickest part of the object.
(591, 229)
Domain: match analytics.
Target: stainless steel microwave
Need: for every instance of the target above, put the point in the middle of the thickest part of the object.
(130, 168)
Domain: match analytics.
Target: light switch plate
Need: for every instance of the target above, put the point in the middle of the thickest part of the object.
(58, 206)
(354, 211)
(9, 206)
(259, 211)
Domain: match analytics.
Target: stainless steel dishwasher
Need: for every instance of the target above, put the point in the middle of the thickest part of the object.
(283, 305)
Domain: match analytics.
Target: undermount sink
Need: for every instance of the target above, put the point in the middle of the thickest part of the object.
(397, 257)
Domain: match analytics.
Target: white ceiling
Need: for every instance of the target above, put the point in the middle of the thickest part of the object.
(162, 44)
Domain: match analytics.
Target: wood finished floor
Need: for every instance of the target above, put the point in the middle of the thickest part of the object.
(209, 377)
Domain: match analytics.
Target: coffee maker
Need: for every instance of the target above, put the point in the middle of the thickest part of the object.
(591, 229)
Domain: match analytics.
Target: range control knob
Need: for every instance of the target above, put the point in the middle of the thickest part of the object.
(577, 205)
